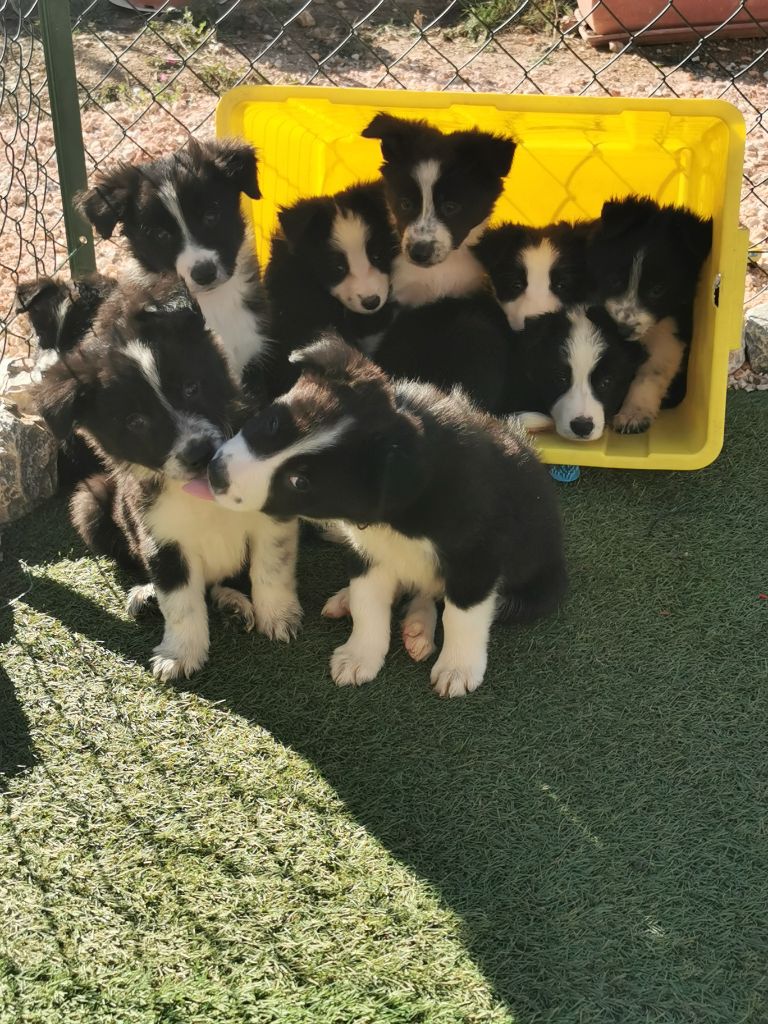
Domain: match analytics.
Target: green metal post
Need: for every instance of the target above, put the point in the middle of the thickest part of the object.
(56, 31)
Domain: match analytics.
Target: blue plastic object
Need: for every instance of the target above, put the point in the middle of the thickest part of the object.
(565, 474)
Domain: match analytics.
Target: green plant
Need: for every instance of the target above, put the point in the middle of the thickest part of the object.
(534, 15)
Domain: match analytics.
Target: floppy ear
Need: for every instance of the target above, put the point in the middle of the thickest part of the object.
(402, 475)
(238, 163)
(306, 217)
(332, 358)
(43, 302)
(621, 215)
(61, 395)
(106, 204)
(493, 153)
(495, 246)
(697, 235)
(396, 134)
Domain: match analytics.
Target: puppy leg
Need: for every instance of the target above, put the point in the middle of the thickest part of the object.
(337, 606)
(180, 590)
(461, 665)
(139, 597)
(273, 578)
(643, 401)
(370, 600)
(227, 599)
(419, 627)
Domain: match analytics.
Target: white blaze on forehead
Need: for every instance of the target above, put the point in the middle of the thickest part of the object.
(191, 251)
(537, 298)
(144, 358)
(626, 308)
(350, 236)
(425, 175)
(583, 350)
(427, 227)
(250, 476)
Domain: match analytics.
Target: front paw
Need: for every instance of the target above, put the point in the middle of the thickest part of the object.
(632, 421)
(337, 607)
(280, 620)
(139, 597)
(351, 666)
(168, 662)
(450, 680)
(227, 599)
(419, 635)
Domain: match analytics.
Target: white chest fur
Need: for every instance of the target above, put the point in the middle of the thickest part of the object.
(413, 562)
(238, 327)
(459, 274)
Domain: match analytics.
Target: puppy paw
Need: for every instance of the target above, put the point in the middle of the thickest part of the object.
(139, 597)
(168, 663)
(337, 607)
(632, 421)
(419, 634)
(455, 680)
(351, 666)
(279, 621)
(227, 599)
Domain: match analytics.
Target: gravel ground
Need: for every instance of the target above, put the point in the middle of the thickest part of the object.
(186, 68)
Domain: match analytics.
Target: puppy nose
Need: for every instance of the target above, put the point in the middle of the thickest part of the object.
(218, 477)
(582, 426)
(203, 272)
(370, 302)
(421, 252)
(198, 453)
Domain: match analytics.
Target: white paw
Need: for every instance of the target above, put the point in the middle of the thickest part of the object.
(227, 599)
(450, 680)
(279, 621)
(633, 420)
(138, 597)
(337, 607)
(351, 666)
(168, 663)
(419, 635)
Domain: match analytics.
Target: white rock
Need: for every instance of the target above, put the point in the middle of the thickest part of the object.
(27, 463)
(756, 337)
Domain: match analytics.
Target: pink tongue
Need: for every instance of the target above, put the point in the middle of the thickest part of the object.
(199, 487)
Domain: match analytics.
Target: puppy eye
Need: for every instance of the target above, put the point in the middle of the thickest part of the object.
(271, 425)
(613, 281)
(604, 382)
(160, 234)
(190, 388)
(339, 266)
(406, 205)
(298, 482)
(211, 217)
(137, 423)
(656, 291)
(449, 207)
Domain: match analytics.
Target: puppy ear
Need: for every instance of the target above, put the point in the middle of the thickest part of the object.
(498, 245)
(397, 135)
(62, 394)
(696, 233)
(493, 153)
(306, 217)
(239, 165)
(106, 204)
(46, 302)
(622, 215)
(154, 310)
(330, 357)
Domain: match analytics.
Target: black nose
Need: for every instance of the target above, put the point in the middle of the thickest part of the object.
(421, 252)
(204, 272)
(370, 302)
(198, 453)
(582, 426)
(218, 477)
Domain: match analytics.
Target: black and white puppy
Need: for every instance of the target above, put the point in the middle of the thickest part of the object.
(536, 270)
(454, 342)
(573, 368)
(330, 267)
(181, 214)
(150, 389)
(645, 261)
(433, 497)
(441, 190)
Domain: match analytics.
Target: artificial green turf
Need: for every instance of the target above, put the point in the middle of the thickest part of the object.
(583, 840)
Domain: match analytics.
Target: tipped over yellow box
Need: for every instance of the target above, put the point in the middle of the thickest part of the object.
(573, 153)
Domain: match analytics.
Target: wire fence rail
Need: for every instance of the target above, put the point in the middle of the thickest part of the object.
(145, 79)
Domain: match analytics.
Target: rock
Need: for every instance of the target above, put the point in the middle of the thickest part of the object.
(27, 463)
(756, 337)
(306, 19)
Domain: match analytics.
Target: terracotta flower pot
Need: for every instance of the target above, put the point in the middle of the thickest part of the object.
(148, 6)
(609, 20)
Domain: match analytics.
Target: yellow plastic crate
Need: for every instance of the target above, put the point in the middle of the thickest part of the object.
(573, 153)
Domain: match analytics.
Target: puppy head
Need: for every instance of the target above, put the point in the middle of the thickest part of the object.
(534, 270)
(334, 447)
(345, 242)
(580, 368)
(180, 214)
(148, 386)
(440, 188)
(61, 312)
(645, 260)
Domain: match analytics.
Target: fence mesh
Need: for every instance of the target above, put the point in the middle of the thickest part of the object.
(147, 79)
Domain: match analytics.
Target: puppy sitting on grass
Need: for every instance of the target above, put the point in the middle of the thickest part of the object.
(434, 498)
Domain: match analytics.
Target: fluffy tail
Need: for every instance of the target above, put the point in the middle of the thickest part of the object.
(92, 511)
(536, 599)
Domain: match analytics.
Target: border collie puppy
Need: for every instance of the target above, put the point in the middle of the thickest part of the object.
(150, 389)
(181, 214)
(441, 190)
(329, 268)
(434, 498)
(453, 342)
(645, 261)
(574, 368)
(535, 270)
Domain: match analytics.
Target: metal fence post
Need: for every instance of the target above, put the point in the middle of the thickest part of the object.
(56, 32)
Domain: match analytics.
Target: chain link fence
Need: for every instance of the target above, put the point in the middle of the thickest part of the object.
(146, 79)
